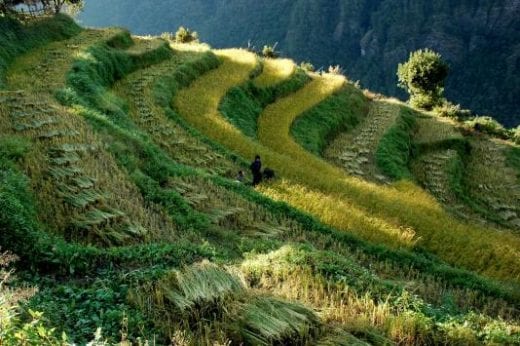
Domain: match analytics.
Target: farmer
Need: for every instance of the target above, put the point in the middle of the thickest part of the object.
(256, 170)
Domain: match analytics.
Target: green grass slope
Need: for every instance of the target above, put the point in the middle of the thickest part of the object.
(18, 38)
(341, 112)
(472, 174)
(117, 167)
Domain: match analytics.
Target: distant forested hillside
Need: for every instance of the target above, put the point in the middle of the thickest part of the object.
(479, 38)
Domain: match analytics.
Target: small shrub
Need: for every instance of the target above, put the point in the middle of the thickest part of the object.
(270, 51)
(516, 135)
(268, 321)
(12, 330)
(337, 70)
(422, 101)
(184, 35)
(307, 66)
(487, 125)
(450, 110)
(13, 148)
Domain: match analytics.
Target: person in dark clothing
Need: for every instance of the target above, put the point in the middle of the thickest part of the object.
(256, 170)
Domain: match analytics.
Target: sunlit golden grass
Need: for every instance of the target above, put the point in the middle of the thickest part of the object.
(331, 210)
(199, 103)
(403, 204)
(249, 219)
(275, 71)
(190, 47)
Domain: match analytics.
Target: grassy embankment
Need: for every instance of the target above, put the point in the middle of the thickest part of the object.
(402, 215)
(201, 299)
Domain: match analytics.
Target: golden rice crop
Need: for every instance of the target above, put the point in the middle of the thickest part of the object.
(275, 71)
(403, 204)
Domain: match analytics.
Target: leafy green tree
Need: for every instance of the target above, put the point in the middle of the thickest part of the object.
(184, 35)
(422, 76)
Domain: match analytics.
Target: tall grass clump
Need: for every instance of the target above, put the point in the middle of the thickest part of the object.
(205, 293)
(487, 125)
(196, 288)
(450, 110)
(268, 321)
(17, 38)
(516, 135)
(395, 147)
(340, 112)
(185, 35)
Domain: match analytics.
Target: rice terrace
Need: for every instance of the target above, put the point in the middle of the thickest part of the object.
(133, 211)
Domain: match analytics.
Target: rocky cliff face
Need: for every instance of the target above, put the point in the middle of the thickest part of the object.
(479, 38)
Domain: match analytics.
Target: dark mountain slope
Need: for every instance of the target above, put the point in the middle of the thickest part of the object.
(480, 39)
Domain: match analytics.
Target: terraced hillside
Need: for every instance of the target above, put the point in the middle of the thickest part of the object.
(118, 159)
